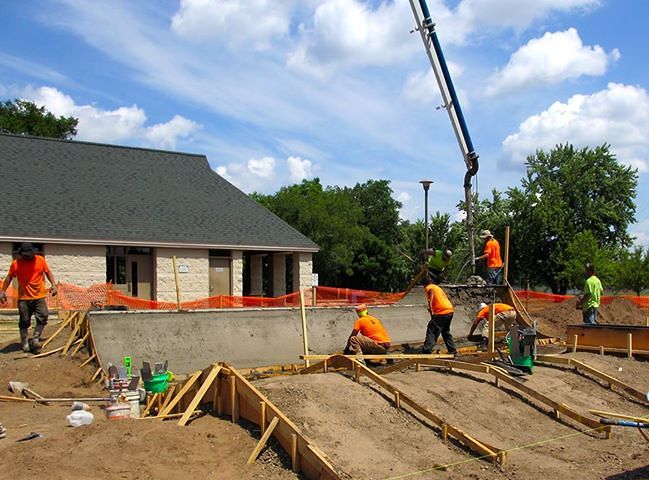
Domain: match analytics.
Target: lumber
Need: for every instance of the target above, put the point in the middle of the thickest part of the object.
(202, 391)
(64, 324)
(149, 404)
(96, 375)
(600, 413)
(88, 360)
(8, 398)
(188, 384)
(262, 441)
(492, 329)
(599, 348)
(170, 415)
(305, 338)
(45, 354)
(400, 356)
(71, 338)
(80, 344)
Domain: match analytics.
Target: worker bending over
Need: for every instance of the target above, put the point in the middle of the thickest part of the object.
(368, 335)
(437, 261)
(504, 318)
(30, 270)
(492, 254)
(441, 314)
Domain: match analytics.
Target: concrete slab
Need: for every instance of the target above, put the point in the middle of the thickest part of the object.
(257, 337)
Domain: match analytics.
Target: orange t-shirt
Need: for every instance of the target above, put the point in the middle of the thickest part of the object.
(492, 249)
(31, 277)
(371, 327)
(438, 302)
(498, 308)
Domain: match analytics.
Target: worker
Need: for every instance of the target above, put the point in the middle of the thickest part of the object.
(504, 318)
(441, 315)
(368, 335)
(589, 301)
(30, 270)
(492, 254)
(437, 261)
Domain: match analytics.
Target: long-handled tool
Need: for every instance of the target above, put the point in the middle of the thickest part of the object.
(22, 388)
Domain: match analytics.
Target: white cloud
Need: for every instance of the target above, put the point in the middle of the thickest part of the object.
(351, 33)
(421, 87)
(264, 167)
(550, 59)
(640, 231)
(236, 22)
(299, 168)
(111, 126)
(618, 116)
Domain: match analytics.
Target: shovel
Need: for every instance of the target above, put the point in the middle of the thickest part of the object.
(22, 388)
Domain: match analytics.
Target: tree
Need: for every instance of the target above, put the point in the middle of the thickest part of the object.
(23, 117)
(564, 192)
(633, 271)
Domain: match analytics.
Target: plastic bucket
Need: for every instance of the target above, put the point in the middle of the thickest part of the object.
(158, 383)
(132, 397)
(119, 411)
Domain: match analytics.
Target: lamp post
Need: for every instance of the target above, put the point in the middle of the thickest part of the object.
(426, 185)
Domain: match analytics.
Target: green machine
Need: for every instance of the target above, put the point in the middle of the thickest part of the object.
(522, 347)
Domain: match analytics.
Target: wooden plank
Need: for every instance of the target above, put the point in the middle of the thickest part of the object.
(615, 336)
(170, 415)
(90, 359)
(637, 394)
(186, 386)
(629, 345)
(492, 329)
(588, 348)
(262, 441)
(149, 404)
(97, 372)
(45, 354)
(71, 338)
(81, 344)
(168, 396)
(64, 324)
(305, 338)
(199, 395)
(600, 413)
(396, 356)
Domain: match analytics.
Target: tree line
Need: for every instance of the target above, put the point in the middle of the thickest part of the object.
(573, 206)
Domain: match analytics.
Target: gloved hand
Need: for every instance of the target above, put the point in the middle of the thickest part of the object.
(3, 297)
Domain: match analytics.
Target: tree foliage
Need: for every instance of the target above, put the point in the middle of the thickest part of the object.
(22, 117)
(633, 271)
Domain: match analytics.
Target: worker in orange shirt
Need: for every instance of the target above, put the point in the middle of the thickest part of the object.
(504, 318)
(492, 254)
(441, 315)
(368, 335)
(30, 270)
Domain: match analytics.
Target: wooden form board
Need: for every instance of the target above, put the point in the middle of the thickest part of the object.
(610, 336)
(227, 391)
(581, 367)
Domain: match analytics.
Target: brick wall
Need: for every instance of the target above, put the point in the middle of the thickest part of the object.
(193, 284)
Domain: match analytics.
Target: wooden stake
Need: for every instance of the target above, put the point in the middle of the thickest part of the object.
(601, 349)
(81, 344)
(71, 338)
(575, 338)
(149, 404)
(492, 329)
(444, 432)
(99, 370)
(177, 283)
(188, 384)
(629, 345)
(397, 400)
(60, 329)
(295, 454)
(90, 359)
(506, 268)
(305, 338)
(233, 397)
(199, 395)
(262, 416)
(262, 441)
(45, 354)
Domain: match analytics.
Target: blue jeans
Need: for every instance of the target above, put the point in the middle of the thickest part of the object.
(590, 316)
(495, 276)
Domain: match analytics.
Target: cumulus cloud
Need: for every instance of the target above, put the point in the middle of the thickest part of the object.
(111, 126)
(421, 87)
(551, 59)
(299, 169)
(237, 22)
(264, 167)
(352, 33)
(618, 116)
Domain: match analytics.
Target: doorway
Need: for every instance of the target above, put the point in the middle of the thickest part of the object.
(220, 281)
(130, 270)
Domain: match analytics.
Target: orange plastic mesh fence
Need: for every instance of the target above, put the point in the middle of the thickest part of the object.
(73, 297)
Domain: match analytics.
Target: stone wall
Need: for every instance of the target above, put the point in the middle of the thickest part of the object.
(81, 265)
(193, 274)
(302, 271)
(236, 272)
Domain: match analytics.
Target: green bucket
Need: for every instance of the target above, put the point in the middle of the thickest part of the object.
(158, 383)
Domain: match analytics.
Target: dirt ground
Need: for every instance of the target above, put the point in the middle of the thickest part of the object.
(552, 320)
(209, 447)
(354, 424)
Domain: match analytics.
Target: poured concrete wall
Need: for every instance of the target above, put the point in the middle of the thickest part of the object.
(254, 337)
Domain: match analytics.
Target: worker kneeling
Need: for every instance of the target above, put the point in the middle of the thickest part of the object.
(504, 318)
(368, 335)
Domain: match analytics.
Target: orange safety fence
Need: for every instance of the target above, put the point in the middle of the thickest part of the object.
(105, 295)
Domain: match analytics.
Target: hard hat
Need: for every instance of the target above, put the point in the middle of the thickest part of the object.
(482, 305)
(448, 254)
(360, 308)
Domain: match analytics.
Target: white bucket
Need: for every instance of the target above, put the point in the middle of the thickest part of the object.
(130, 397)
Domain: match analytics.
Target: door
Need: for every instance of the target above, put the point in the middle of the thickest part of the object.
(139, 274)
(220, 276)
(130, 270)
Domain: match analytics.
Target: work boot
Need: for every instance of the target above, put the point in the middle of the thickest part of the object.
(36, 340)
(24, 342)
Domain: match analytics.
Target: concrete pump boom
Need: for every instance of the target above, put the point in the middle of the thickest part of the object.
(426, 28)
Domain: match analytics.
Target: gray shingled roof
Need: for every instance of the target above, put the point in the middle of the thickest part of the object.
(56, 189)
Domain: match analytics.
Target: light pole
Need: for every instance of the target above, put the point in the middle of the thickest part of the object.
(426, 185)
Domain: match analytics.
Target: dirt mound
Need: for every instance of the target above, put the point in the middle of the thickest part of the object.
(554, 319)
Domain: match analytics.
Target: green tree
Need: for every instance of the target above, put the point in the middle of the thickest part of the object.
(23, 117)
(565, 192)
(583, 249)
(633, 271)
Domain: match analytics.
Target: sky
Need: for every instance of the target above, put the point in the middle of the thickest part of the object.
(277, 91)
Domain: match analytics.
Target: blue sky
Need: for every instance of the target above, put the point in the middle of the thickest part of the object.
(275, 91)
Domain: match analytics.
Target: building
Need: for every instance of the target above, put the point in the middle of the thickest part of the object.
(107, 213)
